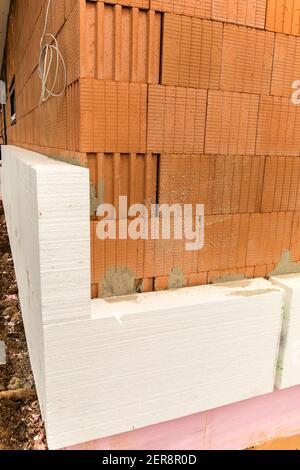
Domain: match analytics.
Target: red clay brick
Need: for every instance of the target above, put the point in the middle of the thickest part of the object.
(69, 5)
(111, 254)
(278, 127)
(176, 119)
(222, 274)
(121, 43)
(196, 279)
(246, 60)
(161, 283)
(196, 8)
(295, 245)
(261, 271)
(191, 52)
(283, 16)
(224, 184)
(286, 66)
(112, 116)
(73, 130)
(130, 3)
(71, 34)
(132, 175)
(249, 183)
(269, 235)
(231, 123)
(244, 12)
(225, 242)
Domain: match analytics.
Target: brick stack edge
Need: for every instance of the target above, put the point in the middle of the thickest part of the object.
(173, 101)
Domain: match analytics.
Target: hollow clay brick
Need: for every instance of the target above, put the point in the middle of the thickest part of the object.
(108, 255)
(73, 130)
(69, 40)
(176, 119)
(196, 8)
(112, 116)
(225, 242)
(69, 5)
(223, 274)
(243, 12)
(196, 279)
(295, 245)
(248, 182)
(286, 65)
(224, 184)
(132, 175)
(231, 123)
(283, 16)
(269, 236)
(281, 191)
(130, 3)
(246, 60)
(278, 130)
(191, 52)
(120, 43)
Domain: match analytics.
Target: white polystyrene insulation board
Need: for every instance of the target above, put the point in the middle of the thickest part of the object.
(105, 367)
(154, 357)
(46, 206)
(288, 371)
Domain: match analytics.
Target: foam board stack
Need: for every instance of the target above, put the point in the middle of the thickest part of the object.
(161, 356)
(288, 370)
(108, 366)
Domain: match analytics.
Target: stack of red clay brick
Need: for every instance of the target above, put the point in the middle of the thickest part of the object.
(183, 101)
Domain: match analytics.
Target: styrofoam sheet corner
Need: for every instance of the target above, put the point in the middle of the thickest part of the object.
(288, 371)
(42, 207)
(104, 367)
(145, 359)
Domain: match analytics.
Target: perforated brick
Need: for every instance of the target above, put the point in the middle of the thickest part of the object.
(117, 174)
(286, 65)
(191, 52)
(246, 60)
(176, 119)
(112, 116)
(244, 12)
(283, 16)
(121, 43)
(281, 191)
(224, 184)
(278, 127)
(196, 8)
(231, 123)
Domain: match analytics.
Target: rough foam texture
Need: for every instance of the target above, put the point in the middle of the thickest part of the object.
(173, 353)
(2, 353)
(49, 236)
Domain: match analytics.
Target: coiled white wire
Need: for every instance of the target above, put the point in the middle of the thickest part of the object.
(49, 51)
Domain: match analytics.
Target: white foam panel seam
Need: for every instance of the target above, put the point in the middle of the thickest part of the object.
(109, 366)
(288, 370)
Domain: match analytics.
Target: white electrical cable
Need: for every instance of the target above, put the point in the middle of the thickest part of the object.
(49, 51)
